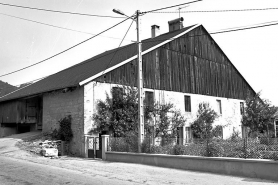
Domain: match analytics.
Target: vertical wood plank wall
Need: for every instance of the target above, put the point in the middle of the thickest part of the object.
(192, 63)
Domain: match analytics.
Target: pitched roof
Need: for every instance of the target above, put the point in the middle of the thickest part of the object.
(93, 67)
(6, 88)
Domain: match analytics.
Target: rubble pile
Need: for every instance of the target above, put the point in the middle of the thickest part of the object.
(49, 148)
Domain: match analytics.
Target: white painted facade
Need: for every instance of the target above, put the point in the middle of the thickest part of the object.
(230, 118)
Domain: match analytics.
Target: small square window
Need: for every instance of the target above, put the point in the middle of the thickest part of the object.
(187, 103)
(219, 107)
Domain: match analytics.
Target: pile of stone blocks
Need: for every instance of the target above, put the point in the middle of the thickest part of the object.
(49, 148)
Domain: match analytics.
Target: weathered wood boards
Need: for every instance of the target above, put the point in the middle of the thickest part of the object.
(193, 63)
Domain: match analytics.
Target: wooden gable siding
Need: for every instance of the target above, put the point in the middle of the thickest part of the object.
(192, 63)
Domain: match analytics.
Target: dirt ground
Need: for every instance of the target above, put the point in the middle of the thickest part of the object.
(21, 167)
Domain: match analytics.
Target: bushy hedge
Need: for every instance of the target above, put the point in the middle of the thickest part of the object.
(124, 144)
(237, 148)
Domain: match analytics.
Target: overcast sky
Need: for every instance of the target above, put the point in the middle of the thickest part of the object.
(22, 43)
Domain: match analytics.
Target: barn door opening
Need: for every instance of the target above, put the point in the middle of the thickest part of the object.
(33, 113)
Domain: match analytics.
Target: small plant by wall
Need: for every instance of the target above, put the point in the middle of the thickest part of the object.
(65, 131)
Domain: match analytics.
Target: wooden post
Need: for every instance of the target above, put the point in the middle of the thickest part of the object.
(105, 139)
(86, 146)
(182, 135)
(275, 134)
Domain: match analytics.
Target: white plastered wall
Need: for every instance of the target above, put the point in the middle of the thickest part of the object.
(230, 118)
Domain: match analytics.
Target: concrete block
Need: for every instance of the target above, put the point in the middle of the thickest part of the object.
(50, 152)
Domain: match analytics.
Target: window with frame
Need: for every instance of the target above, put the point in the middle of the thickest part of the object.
(241, 108)
(187, 103)
(149, 98)
(219, 107)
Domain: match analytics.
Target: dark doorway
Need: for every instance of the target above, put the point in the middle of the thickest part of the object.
(22, 128)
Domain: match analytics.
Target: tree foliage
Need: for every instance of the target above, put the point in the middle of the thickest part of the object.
(119, 114)
(166, 119)
(258, 114)
(202, 127)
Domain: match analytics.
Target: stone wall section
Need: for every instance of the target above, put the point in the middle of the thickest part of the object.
(59, 104)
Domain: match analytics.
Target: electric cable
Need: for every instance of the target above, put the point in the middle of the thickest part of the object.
(58, 11)
(170, 6)
(271, 23)
(118, 47)
(219, 11)
(65, 49)
(46, 24)
(248, 28)
(216, 32)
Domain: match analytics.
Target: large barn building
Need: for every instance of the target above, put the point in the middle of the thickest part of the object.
(184, 66)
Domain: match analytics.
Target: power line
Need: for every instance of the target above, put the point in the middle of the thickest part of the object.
(216, 32)
(46, 24)
(273, 23)
(252, 25)
(32, 81)
(171, 6)
(248, 28)
(65, 49)
(219, 11)
(118, 47)
(58, 11)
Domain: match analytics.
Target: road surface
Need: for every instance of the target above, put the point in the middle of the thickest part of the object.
(20, 167)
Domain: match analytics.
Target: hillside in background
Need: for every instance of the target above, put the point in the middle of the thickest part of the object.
(6, 88)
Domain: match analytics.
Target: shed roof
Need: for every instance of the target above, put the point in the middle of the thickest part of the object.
(89, 69)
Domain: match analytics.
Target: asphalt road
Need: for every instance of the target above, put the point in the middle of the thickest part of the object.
(19, 167)
(15, 171)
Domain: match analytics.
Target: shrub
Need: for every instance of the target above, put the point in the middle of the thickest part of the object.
(124, 144)
(214, 149)
(166, 149)
(65, 132)
(146, 146)
(179, 149)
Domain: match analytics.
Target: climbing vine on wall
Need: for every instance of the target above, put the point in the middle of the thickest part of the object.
(65, 131)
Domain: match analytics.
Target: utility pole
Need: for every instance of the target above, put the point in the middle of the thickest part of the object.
(141, 130)
(141, 133)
